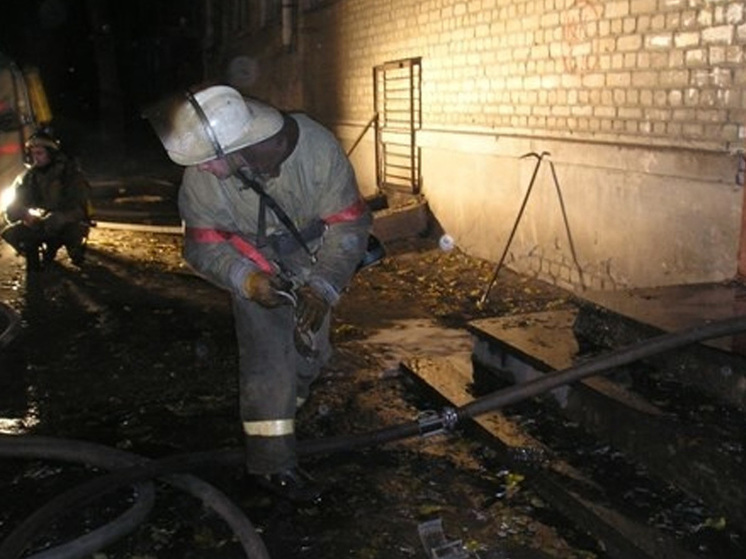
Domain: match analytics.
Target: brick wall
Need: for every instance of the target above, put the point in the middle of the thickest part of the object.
(582, 79)
(660, 72)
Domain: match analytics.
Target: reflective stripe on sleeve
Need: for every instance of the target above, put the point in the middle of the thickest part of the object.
(270, 428)
(204, 235)
(350, 213)
(10, 148)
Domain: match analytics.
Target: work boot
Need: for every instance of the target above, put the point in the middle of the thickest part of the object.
(48, 255)
(292, 484)
(33, 259)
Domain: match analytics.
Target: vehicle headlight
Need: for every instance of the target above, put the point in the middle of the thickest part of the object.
(7, 197)
(8, 193)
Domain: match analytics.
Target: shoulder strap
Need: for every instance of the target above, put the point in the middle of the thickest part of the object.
(254, 185)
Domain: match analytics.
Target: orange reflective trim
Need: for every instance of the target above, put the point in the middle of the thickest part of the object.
(204, 235)
(8, 149)
(350, 213)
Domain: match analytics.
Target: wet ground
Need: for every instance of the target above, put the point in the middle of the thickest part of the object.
(136, 353)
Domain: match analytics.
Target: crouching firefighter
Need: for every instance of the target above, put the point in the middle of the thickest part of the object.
(51, 208)
(273, 214)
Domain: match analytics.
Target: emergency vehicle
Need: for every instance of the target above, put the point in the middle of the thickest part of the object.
(23, 110)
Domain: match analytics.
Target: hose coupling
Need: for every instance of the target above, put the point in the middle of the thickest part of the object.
(433, 423)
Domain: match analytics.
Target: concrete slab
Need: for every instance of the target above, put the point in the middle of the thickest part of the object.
(716, 367)
(400, 222)
(580, 499)
(521, 348)
(678, 307)
(545, 339)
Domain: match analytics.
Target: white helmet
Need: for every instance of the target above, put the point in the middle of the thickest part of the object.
(210, 123)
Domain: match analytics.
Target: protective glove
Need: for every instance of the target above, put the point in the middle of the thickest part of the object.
(305, 343)
(31, 217)
(268, 290)
(311, 309)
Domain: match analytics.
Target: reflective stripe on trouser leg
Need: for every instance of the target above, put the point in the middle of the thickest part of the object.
(267, 365)
(269, 428)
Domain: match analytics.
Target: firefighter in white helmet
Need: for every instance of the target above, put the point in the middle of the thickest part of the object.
(272, 214)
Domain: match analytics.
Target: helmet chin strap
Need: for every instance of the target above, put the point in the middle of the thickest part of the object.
(206, 126)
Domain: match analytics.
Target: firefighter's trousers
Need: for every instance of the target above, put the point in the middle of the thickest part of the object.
(274, 380)
(29, 240)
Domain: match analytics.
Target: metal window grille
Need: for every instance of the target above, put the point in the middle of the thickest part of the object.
(398, 105)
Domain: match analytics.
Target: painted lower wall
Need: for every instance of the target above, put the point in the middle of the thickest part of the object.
(617, 216)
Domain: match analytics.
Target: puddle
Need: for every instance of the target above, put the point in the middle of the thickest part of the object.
(403, 339)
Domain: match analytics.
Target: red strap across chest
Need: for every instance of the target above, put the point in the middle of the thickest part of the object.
(205, 235)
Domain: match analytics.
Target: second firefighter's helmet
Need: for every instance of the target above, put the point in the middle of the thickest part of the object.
(42, 139)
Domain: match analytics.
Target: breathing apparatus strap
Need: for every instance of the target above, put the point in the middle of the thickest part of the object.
(261, 228)
(249, 181)
(254, 185)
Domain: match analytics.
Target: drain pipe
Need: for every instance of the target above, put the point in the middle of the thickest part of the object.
(288, 24)
(16, 543)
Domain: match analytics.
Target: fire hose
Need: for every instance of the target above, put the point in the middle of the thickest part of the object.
(113, 459)
(18, 541)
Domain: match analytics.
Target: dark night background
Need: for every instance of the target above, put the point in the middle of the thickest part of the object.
(102, 61)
